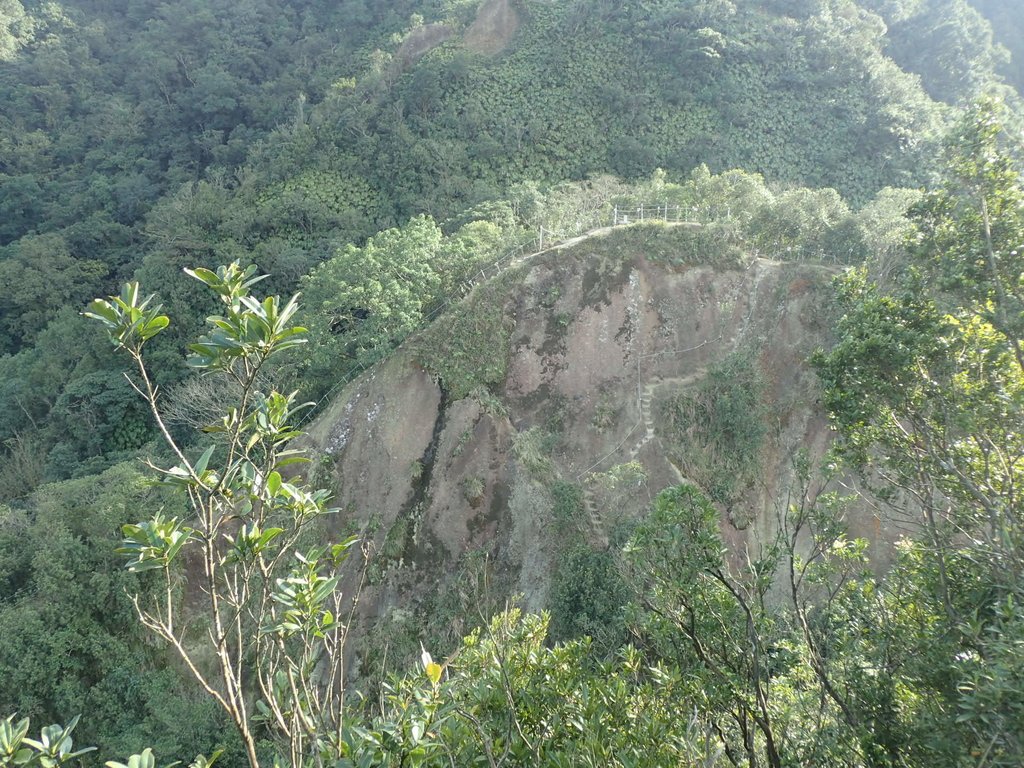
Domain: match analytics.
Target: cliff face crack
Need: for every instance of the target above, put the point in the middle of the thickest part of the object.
(419, 498)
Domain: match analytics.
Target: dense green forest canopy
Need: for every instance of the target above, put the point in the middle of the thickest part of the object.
(330, 147)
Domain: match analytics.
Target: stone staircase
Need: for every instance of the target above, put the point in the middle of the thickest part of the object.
(595, 528)
(647, 401)
(646, 418)
(595, 533)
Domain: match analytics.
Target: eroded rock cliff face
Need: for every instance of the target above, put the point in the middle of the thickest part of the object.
(617, 368)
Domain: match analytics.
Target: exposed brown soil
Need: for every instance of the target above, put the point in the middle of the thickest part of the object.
(496, 24)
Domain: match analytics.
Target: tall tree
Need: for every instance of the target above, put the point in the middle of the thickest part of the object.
(926, 387)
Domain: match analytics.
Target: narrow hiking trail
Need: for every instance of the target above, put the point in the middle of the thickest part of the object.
(601, 232)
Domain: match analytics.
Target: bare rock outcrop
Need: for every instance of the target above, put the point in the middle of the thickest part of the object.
(605, 336)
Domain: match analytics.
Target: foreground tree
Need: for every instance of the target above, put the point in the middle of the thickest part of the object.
(716, 628)
(926, 388)
(268, 605)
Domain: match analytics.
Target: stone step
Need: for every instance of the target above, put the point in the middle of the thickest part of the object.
(595, 534)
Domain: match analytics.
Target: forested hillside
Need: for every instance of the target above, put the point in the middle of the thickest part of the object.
(408, 165)
(1006, 25)
(142, 139)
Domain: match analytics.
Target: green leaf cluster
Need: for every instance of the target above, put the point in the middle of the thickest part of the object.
(716, 434)
(53, 747)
